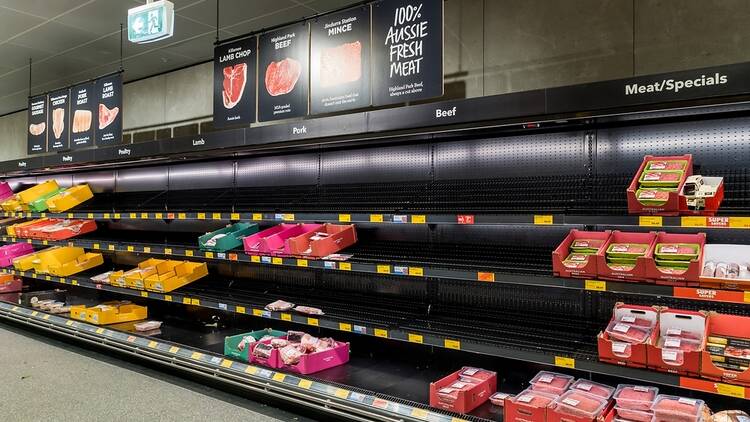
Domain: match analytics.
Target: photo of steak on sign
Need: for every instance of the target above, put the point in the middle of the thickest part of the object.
(283, 67)
(234, 82)
(407, 51)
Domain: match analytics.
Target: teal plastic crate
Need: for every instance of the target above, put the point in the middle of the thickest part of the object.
(232, 238)
(231, 343)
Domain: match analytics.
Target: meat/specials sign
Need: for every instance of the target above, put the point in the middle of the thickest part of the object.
(58, 117)
(234, 82)
(283, 73)
(36, 137)
(407, 37)
(108, 97)
(340, 61)
(83, 111)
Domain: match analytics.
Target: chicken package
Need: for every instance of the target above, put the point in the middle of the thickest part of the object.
(628, 333)
(291, 354)
(634, 415)
(147, 325)
(295, 336)
(593, 388)
(262, 350)
(709, 269)
(730, 416)
(310, 342)
(309, 310)
(551, 382)
(245, 342)
(325, 344)
(635, 397)
(278, 343)
(279, 306)
(677, 409)
(577, 403)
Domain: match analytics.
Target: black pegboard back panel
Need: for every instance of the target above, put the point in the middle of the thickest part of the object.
(153, 179)
(99, 181)
(218, 175)
(383, 165)
(281, 170)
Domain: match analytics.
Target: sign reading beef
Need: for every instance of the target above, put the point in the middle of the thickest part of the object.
(407, 38)
(340, 61)
(36, 139)
(109, 110)
(283, 67)
(58, 103)
(84, 111)
(234, 82)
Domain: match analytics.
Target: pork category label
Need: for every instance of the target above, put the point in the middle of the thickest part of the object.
(234, 82)
(340, 61)
(37, 132)
(58, 120)
(407, 39)
(108, 98)
(83, 112)
(283, 73)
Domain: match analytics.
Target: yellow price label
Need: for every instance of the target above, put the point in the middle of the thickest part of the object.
(747, 297)
(234, 216)
(186, 300)
(201, 216)
(45, 242)
(345, 266)
(306, 384)
(341, 393)
(452, 344)
(287, 217)
(650, 221)
(418, 219)
(144, 216)
(196, 356)
(343, 326)
(302, 263)
(384, 269)
(133, 216)
(96, 246)
(286, 317)
(595, 285)
(277, 261)
(376, 218)
(544, 220)
(693, 221)
(419, 413)
(416, 271)
(216, 216)
(226, 363)
(564, 362)
(730, 390)
(209, 254)
(70, 215)
(188, 252)
(257, 216)
(90, 215)
(117, 216)
(379, 332)
(158, 216)
(415, 338)
(105, 216)
(313, 321)
(69, 323)
(147, 249)
(195, 302)
(251, 370)
(167, 251)
(257, 312)
(111, 247)
(739, 222)
(152, 344)
(35, 313)
(255, 258)
(278, 377)
(144, 294)
(74, 282)
(167, 298)
(345, 218)
(174, 349)
(239, 309)
(100, 330)
(131, 248)
(181, 216)
(46, 317)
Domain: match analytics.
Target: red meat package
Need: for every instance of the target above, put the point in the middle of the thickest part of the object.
(655, 194)
(634, 415)
(533, 398)
(666, 165)
(661, 176)
(628, 333)
(475, 375)
(586, 244)
(551, 382)
(593, 388)
(684, 334)
(677, 409)
(635, 397)
(641, 322)
(576, 403)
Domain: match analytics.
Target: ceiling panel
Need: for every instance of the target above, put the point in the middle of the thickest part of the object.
(44, 8)
(53, 37)
(14, 23)
(89, 17)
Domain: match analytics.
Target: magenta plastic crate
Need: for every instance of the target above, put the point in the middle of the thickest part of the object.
(5, 191)
(14, 250)
(272, 241)
(308, 363)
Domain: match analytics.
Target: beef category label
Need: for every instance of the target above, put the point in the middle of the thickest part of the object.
(58, 117)
(340, 61)
(108, 98)
(37, 118)
(283, 73)
(234, 82)
(84, 113)
(407, 38)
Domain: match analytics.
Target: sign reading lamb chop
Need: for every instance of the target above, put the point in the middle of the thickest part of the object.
(234, 82)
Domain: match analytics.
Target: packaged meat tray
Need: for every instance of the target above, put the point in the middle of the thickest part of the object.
(634, 319)
(661, 178)
(498, 399)
(593, 388)
(551, 382)
(475, 375)
(678, 353)
(574, 257)
(666, 165)
(586, 246)
(621, 261)
(675, 265)
(628, 333)
(677, 409)
(677, 260)
(577, 260)
(579, 404)
(528, 405)
(452, 393)
(633, 415)
(673, 349)
(635, 397)
(627, 250)
(730, 416)
(654, 196)
(677, 251)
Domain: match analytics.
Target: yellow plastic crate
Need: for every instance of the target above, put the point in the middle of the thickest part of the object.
(117, 278)
(70, 198)
(11, 230)
(24, 263)
(55, 256)
(13, 205)
(83, 262)
(35, 192)
(105, 314)
(134, 278)
(183, 273)
(78, 312)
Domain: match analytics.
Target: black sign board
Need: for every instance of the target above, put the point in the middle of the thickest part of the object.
(128, 151)
(37, 131)
(407, 43)
(83, 110)
(109, 110)
(283, 73)
(235, 67)
(340, 61)
(69, 158)
(58, 120)
(208, 141)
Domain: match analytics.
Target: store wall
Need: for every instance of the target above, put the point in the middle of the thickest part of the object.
(502, 46)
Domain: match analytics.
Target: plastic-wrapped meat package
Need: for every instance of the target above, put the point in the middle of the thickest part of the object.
(635, 397)
(673, 349)
(498, 399)
(533, 398)
(593, 388)
(475, 375)
(325, 344)
(262, 351)
(634, 415)
(577, 403)
(730, 416)
(278, 343)
(291, 354)
(294, 336)
(551, 382)
(677, 409)
(733, 270)
(310, 342)
(666, 165)
(449, 394)
(627, 332)
(147, 325)
(267, 337)
(721, 270)
(709, 268)
(684, 334)
(309, 310)
(279, 306)
(641, 322)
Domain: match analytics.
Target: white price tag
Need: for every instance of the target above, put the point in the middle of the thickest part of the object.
(621, 328)
(619, 347)
(628, 318)
(546, 378)
(526, 398)
(571, 402)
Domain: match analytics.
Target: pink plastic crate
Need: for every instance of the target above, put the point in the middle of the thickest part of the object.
(14, 250)
(308, 363)
(272, 241)
(5, 191)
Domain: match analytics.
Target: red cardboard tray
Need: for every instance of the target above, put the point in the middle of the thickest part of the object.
(672, 206)
(687, 278)
(563, 250)
(638, 273)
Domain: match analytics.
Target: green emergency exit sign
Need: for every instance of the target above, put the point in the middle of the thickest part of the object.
(151, 22)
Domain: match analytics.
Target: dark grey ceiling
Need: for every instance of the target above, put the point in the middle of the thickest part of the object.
(75, 40)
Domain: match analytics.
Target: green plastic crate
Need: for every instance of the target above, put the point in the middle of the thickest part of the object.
(672, 264)
(613, 253)
(628, 261)
(232, 342)
(40, 204)
(660, 254)
(232, 239)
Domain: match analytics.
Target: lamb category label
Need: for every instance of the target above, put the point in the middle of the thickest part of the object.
(340, 61)
(283, 73)
(37, 118)
(58, 119)
(83, 110)
(234, 82)
(407, 39)
(108, 97)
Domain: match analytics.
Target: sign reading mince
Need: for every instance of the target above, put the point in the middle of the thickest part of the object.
(58, 118)
(84, 112)
(340, 61)
(407, 45)
(283, 73)
(108, 97)
(234, 82)
(37, 131)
